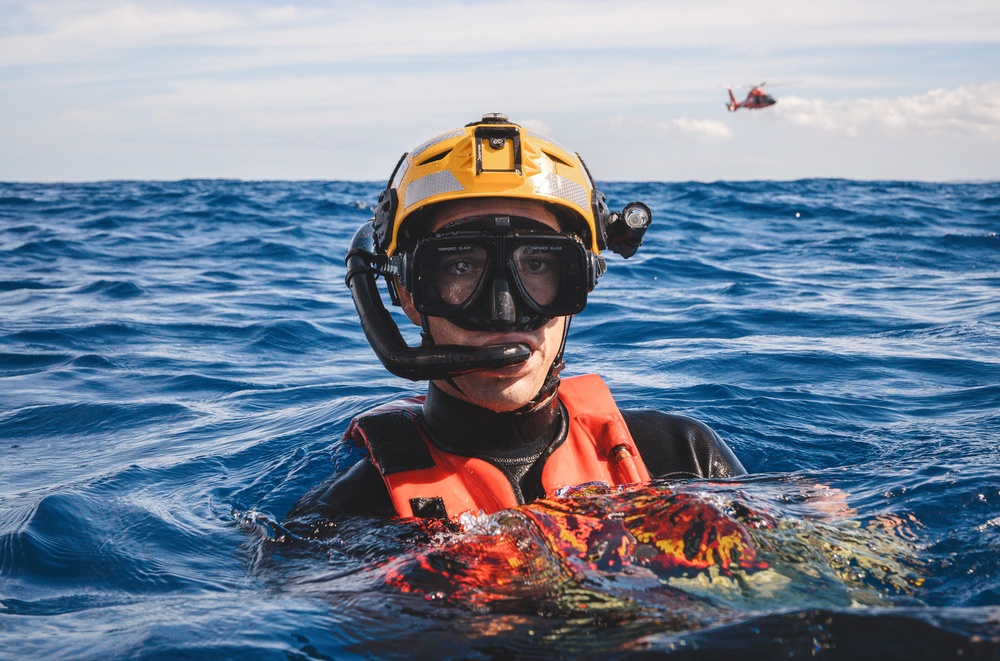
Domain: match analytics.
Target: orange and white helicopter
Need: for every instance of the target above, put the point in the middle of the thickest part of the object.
(755, 100)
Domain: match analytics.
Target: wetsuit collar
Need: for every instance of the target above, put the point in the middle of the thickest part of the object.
(461, 428)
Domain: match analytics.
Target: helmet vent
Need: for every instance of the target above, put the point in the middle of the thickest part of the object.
(436, 157)
(555, 158)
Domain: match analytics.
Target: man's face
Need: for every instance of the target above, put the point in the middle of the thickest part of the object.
(507, 388)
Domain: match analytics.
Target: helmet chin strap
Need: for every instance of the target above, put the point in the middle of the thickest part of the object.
(427, 340)
(550, 387)
(545, 394)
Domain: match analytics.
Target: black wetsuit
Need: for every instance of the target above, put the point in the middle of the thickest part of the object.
(519, 444)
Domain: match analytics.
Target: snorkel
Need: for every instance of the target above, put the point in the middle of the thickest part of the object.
(428, 361)
(493, 158)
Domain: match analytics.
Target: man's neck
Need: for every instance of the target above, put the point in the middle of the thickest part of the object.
(465, 429)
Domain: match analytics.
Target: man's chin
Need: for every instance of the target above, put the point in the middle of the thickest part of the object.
(499, 390)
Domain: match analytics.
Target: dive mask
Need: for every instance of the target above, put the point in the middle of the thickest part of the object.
(498, 273)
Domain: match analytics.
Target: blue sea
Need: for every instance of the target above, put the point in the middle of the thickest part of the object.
(178, 361)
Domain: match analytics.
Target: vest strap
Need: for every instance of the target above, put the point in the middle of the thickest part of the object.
(392, 436)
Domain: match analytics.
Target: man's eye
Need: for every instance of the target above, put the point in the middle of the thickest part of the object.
(538, 265)
(460, 267)
(534, 263)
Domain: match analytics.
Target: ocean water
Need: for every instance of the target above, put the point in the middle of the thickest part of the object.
(178, 361)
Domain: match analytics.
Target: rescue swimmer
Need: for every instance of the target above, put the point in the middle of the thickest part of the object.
(490, 237)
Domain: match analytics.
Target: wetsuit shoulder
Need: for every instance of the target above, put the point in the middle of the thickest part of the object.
(677, 446)
(393, 442)
(359, 491)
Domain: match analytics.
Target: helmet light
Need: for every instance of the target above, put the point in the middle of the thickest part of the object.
(626, 228)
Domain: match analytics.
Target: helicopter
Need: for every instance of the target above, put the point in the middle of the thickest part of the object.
(755, 100)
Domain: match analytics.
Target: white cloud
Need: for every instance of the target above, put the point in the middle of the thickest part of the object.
(71, 31)
(705, 127)
(63, 33)
(536, 125)
(968, 111)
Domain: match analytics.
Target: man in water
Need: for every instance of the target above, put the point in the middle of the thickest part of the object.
(488, 237)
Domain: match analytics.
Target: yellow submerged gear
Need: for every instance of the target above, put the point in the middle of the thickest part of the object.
(490, 158)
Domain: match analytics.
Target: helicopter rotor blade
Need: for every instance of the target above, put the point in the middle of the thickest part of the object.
(753, 85)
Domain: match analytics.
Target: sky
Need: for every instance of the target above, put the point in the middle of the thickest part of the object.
(177, 89)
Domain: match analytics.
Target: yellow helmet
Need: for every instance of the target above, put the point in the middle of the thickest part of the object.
(490, 158)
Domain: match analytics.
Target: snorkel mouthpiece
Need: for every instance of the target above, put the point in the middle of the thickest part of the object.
(422, 363)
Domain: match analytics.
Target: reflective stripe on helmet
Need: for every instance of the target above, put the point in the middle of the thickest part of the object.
(437, 183)
(552, 184)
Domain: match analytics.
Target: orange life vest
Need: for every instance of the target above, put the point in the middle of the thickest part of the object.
(425, 481)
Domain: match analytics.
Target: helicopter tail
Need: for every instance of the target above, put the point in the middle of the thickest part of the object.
(732, 105)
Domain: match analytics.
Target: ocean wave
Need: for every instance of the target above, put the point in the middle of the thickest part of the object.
(179, 360)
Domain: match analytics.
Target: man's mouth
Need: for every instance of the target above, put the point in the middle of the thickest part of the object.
(513, 338)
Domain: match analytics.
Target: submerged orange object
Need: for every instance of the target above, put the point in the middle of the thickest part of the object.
(594, 533)
(650, 527)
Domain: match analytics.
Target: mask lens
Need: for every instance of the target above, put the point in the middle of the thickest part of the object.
(551, 274)
(539, 270)
(451, 275)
